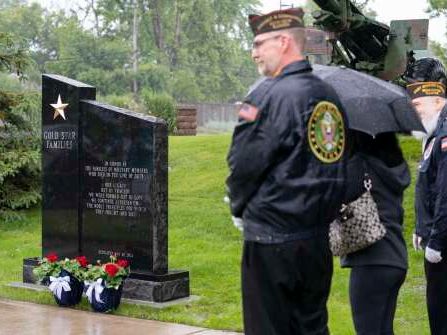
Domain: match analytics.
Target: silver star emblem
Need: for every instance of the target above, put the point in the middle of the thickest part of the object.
(59, 108)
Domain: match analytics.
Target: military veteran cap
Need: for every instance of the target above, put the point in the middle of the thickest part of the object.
(426, 89)
(425, 77)
(277, 20)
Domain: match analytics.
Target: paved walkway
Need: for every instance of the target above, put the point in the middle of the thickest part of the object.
(23, 318)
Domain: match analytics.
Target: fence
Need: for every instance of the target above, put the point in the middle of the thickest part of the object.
(215, 118)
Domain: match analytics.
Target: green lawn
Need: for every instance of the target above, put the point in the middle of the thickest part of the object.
(203, 241)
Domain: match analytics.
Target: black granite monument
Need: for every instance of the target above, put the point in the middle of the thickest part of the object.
(105, 187)
(60, 163)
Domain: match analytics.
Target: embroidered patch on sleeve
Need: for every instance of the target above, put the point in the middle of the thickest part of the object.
(326, 132)
(444, 144)
(248, 112)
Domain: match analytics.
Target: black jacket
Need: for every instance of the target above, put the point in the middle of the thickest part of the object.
(431, 189)
(276, 183)
(388, 185)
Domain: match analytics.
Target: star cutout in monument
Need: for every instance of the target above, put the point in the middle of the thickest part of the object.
(59, 108)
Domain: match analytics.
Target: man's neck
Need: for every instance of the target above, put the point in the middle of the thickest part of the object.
(286, 61)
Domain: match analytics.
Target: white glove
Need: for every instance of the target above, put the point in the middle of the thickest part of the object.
(433, 256)
(417, 242)
(238, 223)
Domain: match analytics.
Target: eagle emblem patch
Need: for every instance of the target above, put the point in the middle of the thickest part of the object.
(326, 132)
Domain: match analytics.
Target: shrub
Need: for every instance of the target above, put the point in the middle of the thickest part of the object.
(123, 101)
(161, 105)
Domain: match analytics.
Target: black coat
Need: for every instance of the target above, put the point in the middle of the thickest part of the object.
(390, 176)
(276, 183)
(431, 189)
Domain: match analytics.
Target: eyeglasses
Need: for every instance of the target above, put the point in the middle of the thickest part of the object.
(258, 43)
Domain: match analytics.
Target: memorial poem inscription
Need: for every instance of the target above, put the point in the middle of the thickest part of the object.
(115, 196)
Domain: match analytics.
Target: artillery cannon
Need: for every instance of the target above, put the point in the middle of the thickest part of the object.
(367, 45)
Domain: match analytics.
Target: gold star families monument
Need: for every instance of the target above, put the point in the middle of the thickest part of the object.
(105, 188)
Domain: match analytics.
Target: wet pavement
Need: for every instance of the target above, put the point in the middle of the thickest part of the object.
(23, 318)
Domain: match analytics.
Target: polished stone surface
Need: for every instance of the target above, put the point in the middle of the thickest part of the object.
(124, 180)
(60, 163)
(105, 188)
(21, 318)
(27, 270)
(157, 291)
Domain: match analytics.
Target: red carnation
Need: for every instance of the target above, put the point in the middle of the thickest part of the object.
(111, 269)
(82, 260)
(123, 263)
(52, 257)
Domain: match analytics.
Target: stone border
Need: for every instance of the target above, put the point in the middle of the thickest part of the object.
(160, 305)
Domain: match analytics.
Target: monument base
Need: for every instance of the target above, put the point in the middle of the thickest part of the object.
(140, 285)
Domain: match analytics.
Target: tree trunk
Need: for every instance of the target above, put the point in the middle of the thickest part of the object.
(135, 51)
(176, 35)
(156, 21)
(96, 15)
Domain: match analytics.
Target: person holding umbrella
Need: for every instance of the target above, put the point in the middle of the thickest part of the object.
(377, 271)
(376, 111)
(427, 81)
(286, 182)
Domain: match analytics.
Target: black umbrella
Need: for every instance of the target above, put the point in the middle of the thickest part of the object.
(372, 105)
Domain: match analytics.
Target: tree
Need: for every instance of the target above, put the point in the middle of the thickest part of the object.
(437, 7)
(200, 47)
(207, 39)
(19, 138)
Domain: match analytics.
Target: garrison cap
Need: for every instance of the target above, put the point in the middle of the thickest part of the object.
(276, 20)
(426, 77)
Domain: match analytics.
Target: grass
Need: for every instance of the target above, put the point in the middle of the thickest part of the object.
(203, 241)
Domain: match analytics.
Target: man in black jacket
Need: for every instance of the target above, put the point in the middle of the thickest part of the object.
(427, 88)
(286, 182)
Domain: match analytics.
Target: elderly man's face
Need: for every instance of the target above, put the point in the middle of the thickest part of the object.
(266, 53)
(428, 109)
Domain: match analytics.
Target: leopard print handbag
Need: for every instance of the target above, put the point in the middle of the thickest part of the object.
(358, 225)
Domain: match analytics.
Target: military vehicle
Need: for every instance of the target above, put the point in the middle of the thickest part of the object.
(363, 44)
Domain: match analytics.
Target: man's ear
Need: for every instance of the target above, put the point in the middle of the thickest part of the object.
(286, 42)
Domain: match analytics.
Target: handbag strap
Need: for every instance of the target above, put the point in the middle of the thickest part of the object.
(367, 182)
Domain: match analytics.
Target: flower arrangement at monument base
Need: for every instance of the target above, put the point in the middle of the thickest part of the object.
(105, 284)
(65, 278)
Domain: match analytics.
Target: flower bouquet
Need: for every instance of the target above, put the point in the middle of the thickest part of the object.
(105, 284)
(64, 278)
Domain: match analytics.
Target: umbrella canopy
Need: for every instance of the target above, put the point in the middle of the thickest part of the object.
(371, 105)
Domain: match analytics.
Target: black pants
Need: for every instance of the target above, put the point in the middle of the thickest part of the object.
(436, 275)
(373, 294)
(285, 287)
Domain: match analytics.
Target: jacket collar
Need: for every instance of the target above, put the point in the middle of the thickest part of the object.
(442, 120)
(441, 127)
(298, 66)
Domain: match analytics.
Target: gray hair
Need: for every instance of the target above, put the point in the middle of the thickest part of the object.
(299, 37)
